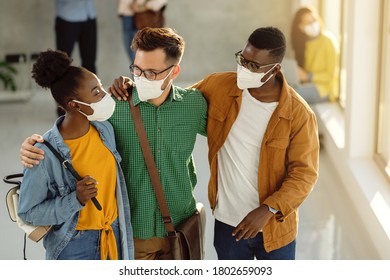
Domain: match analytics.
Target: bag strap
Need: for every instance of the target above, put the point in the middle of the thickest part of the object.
(69, 167)
(151, 165)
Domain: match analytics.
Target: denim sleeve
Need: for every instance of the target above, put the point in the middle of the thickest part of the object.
(40, 204)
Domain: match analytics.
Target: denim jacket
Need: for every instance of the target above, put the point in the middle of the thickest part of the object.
(48, 194)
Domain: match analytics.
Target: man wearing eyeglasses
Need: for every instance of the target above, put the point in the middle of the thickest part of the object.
(172, 117)
(263, 152)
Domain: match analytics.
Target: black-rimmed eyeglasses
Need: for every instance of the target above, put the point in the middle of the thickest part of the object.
(149, 74)
(250, 65)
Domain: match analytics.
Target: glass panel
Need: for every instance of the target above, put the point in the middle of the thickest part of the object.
(383, 147)
(334, 17)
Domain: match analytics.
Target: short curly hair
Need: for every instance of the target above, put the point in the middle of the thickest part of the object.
(269, 38)
(149, 39)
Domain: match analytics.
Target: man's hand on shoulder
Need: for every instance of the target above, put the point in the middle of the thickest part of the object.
(29, 154)
(119, 87)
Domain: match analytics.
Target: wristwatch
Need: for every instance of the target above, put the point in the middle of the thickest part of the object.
(272, 210)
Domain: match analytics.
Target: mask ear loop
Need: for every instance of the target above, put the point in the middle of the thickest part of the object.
(81, 112)
(169, 83)
(170, 80)
(268, 72)
(83, 103)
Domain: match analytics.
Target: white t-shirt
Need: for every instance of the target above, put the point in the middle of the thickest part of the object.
(238, 161)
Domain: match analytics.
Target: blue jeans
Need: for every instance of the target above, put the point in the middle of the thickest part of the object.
(85, 244)
(229, 249)
(310, 93)
(129, 31)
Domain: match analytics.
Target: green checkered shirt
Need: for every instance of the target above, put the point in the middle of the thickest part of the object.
(171, 129)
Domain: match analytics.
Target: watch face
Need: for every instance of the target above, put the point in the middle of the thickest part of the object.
(274, 211)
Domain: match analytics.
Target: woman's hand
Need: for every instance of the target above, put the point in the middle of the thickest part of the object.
(86, 189)
(303, 75)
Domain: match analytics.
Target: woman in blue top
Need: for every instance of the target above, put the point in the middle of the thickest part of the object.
(50, 195)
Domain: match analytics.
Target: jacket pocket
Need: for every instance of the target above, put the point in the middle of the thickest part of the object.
(276, 161)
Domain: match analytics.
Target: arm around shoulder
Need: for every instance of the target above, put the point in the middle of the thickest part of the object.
(29, 154)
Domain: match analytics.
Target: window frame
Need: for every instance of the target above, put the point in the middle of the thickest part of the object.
(384, 95)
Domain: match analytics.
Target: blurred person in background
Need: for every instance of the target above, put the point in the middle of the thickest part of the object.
(317, 54)
(76, 22)
(126, 11)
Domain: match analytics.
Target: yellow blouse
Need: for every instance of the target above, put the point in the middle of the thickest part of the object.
(91, 157)
(322, 60)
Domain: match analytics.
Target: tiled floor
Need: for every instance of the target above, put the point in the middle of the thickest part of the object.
(329, 229)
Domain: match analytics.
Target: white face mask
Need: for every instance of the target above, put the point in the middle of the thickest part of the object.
(102, 110)
(312, 30)
(248, 79)
(150, 89)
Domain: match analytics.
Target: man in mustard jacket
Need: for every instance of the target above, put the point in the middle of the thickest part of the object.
(263, 152)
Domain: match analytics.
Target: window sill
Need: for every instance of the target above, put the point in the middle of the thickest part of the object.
(364, 182)
(330, 119)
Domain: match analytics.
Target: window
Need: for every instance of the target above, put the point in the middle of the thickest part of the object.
(334, 17)
(383, 144)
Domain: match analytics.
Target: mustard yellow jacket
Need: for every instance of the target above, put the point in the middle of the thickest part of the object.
(288, 167)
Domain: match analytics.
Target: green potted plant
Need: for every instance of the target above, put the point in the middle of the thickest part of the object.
(7, 75)
(15, 84)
